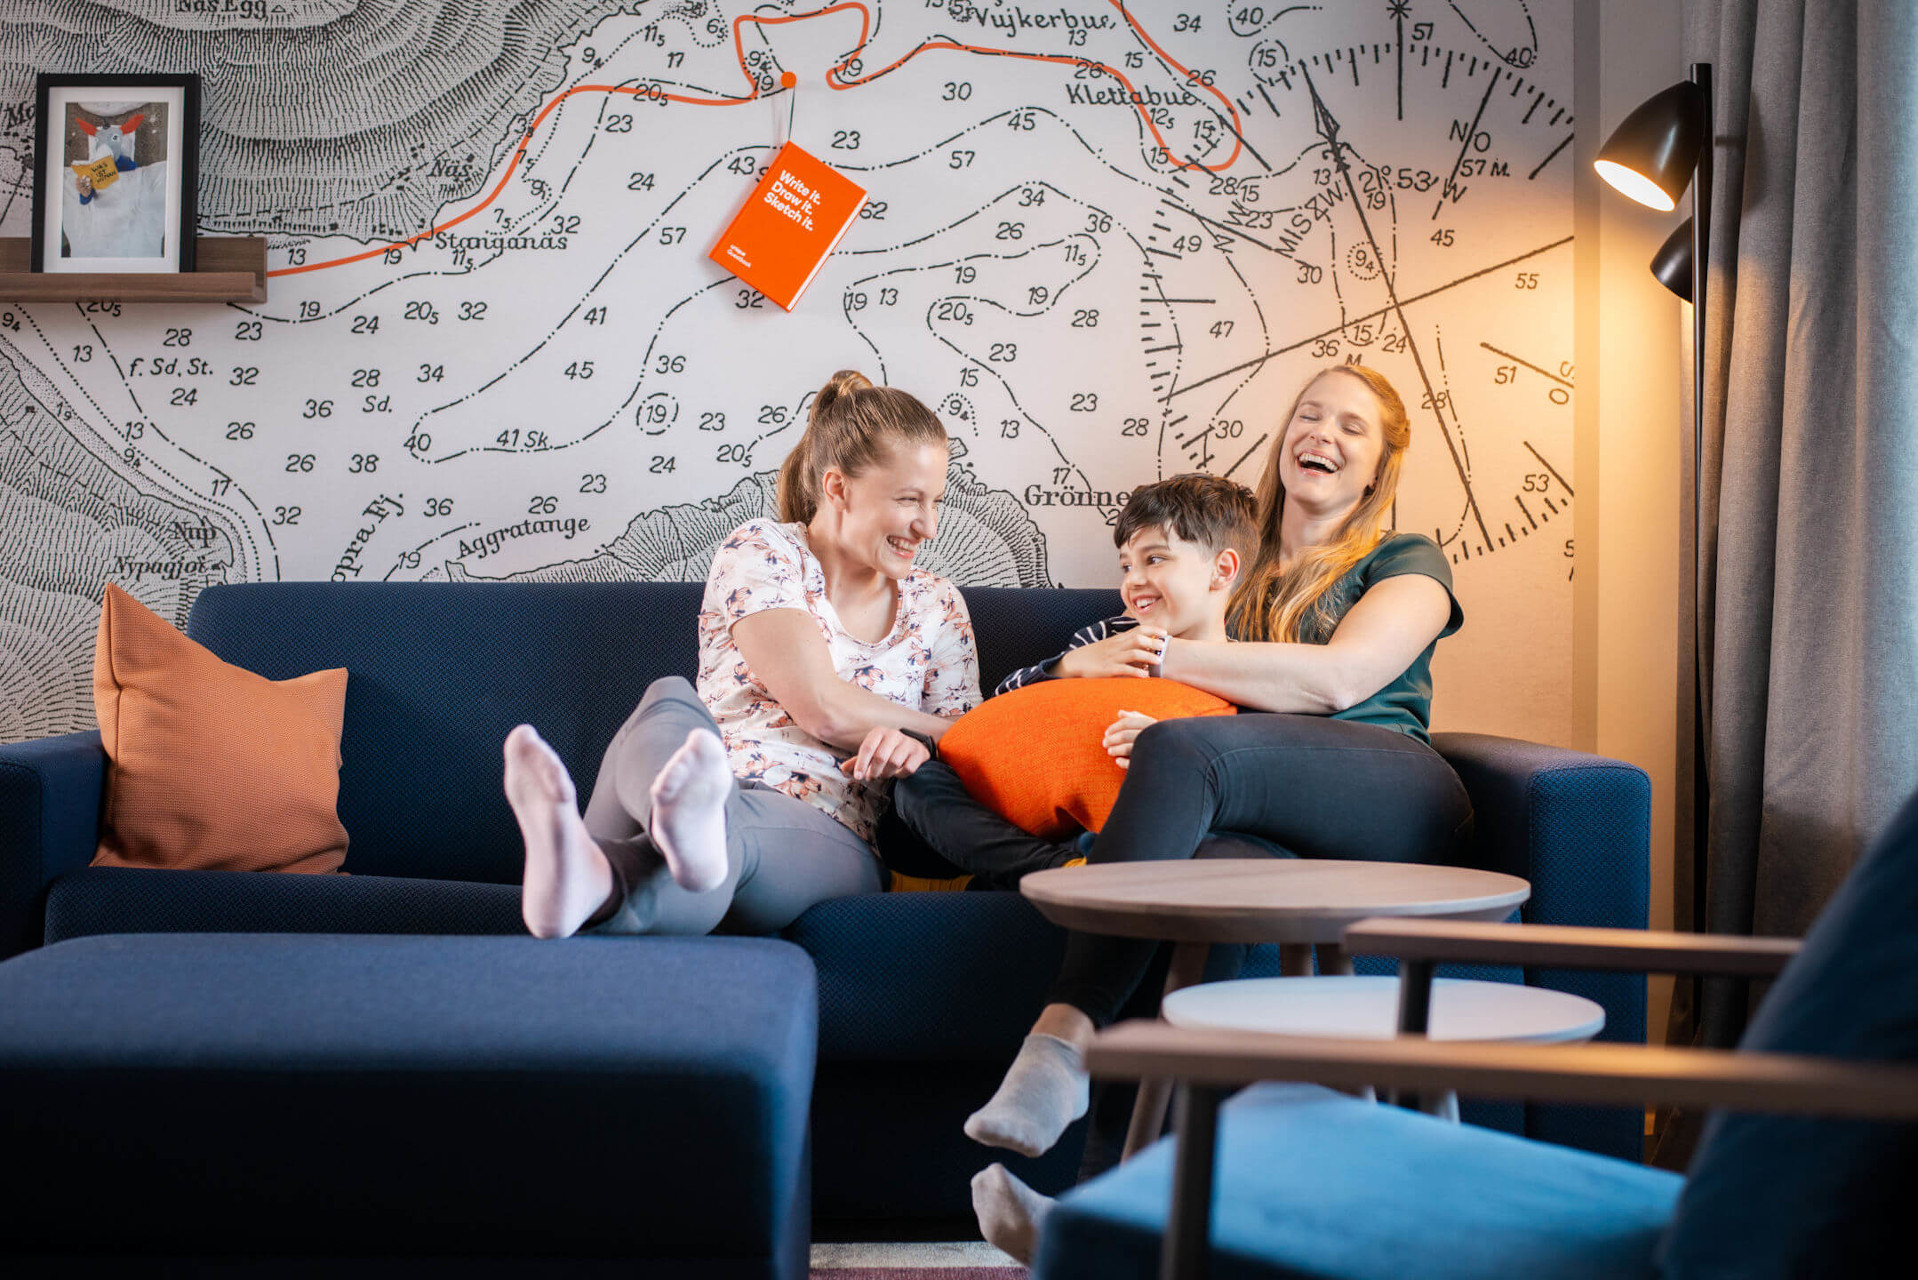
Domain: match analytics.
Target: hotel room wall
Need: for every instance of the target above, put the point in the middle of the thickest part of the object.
(1632, 448)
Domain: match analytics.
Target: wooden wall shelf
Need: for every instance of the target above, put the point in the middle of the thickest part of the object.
(231, 269)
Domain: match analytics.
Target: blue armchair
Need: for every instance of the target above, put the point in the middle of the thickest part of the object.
(1805, 1172)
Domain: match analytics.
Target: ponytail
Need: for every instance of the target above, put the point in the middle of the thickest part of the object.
(852, 425)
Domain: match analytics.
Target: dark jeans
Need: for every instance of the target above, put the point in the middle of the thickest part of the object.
(963, 836)
(936, 806)
(1315, 787)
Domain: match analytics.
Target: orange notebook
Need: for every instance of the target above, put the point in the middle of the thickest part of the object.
(790, 225)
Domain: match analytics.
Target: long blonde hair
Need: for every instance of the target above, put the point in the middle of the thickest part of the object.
(852, 425)
(1288, 606)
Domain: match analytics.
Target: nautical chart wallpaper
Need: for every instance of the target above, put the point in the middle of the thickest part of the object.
(1107, 242)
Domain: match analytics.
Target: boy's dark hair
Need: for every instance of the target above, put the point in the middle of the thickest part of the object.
(1211, 511)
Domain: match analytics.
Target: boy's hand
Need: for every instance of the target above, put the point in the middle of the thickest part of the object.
(1135, 652)
(886, 753)
(1120, 734)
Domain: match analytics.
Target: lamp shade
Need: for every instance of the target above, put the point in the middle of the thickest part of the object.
(1650, 156)
(1672, 264)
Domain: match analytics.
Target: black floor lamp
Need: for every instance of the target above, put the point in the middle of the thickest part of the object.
(1652, 156)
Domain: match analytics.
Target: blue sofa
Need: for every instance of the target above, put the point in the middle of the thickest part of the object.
(923, 998)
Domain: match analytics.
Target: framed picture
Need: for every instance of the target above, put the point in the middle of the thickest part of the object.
(118, 170)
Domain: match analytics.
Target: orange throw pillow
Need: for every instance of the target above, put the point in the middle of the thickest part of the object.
(213, 768)
(1036, 755)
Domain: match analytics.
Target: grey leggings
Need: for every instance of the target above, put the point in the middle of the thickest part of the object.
(782, 854)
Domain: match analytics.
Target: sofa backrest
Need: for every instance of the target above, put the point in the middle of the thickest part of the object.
(439, 672)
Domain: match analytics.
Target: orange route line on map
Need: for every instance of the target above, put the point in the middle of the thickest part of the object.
(653, 93)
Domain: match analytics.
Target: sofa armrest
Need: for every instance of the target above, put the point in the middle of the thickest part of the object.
(49, 825)
(1577, 826)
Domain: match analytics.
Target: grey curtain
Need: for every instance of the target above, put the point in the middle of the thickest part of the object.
(1809, 564)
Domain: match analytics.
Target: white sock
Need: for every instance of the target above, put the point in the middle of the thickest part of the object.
(567, 877)
(1010, 1212)
(689, 812)
(1045, 1089)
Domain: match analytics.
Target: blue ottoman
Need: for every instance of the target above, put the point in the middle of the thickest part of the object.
(301, 1104)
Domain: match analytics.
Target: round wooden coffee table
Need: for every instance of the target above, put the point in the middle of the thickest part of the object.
(1295, 902)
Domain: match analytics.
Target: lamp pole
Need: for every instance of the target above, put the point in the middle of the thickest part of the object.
(1701, 75)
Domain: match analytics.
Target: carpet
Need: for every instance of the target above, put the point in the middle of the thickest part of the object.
(920, 1273)
(958, 1260)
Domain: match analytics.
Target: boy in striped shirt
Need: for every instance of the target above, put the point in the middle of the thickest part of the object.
(1182, 543)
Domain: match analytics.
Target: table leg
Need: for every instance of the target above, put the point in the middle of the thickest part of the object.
(1295, 959)
(1148, 1113)
(1415, 1015)
(1334, 959)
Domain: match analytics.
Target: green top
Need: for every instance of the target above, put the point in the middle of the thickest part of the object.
(1405, 703)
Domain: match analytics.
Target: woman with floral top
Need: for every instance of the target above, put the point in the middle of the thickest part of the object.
(828, 664)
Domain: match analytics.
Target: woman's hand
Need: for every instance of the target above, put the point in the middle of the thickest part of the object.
(1377, 640)
(886, 753)
(1121, 733)
(1134, 652)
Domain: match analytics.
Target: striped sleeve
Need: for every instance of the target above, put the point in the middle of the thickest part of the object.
(1083, 636)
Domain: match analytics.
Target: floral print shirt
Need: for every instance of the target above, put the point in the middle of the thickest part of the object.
(927, 662)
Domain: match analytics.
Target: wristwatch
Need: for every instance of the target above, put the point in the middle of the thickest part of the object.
(930, 743)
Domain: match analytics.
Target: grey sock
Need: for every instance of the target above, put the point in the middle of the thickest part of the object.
(1010, 1212)
(1045, 1089)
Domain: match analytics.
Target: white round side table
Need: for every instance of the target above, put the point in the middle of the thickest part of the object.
(1366, 1008)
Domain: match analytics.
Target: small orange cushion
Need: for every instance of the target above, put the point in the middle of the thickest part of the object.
(211, 766)
(1036, 756)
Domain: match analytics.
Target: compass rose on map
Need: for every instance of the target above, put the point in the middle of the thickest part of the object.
(1356, 236)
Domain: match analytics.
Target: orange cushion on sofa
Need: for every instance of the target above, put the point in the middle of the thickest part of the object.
(212, 767)
(1036, 756)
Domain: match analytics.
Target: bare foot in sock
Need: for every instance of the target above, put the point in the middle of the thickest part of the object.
(689, 812)
(1010, 1212)
(1045, 1089)
(567, 877)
